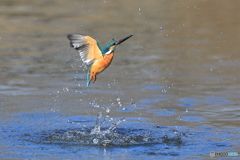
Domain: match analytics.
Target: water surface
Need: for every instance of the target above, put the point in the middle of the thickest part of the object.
(175, 82)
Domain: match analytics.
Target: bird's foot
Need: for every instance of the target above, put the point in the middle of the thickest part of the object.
(93, 79)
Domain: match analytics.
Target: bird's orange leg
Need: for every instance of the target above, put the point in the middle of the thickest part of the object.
(93, 77)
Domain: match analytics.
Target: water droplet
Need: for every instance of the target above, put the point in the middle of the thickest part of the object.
(95, 141)
(175, 132)
(145, 139)
(164, 91)
(105, 142)
(134, 104)
(94, 104)
(107, 110)
(118, 99)
(119, 104)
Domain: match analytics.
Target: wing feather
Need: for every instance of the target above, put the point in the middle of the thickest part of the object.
(86, 46)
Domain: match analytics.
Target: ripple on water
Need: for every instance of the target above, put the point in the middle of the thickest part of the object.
(163, 112)
(153, 87)
(192, 119)
(188, 102)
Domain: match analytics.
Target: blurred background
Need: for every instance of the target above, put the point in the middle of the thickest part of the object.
(181, 68)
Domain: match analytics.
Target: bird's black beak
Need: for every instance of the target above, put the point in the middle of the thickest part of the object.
(123, 39)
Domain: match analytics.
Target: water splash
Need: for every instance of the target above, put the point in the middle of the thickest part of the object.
(110, 135)
(100, 123)
(97, 135)
(106, 132)
(113, 137)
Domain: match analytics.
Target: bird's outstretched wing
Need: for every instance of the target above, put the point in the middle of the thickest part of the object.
(86, 46)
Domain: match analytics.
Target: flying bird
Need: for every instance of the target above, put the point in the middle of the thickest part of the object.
(92, 54)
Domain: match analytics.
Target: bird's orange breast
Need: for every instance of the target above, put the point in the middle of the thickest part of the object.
(100, 65)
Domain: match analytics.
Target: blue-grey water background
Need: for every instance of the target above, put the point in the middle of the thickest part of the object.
(178, 77)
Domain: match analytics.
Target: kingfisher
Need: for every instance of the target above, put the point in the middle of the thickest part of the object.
(93, 56)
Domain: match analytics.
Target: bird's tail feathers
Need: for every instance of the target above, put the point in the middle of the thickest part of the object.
(88, 78)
